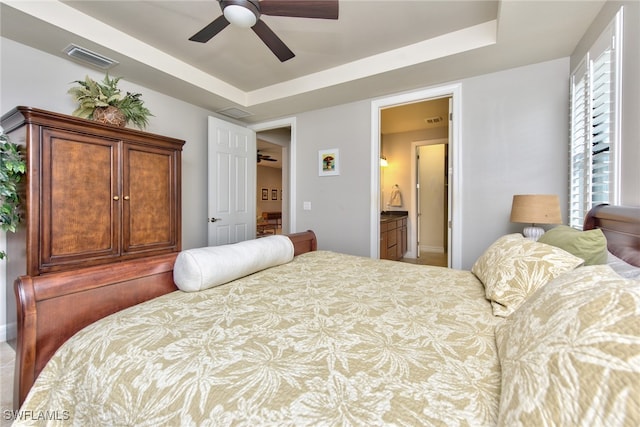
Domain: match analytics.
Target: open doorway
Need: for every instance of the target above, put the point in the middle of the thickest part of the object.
(398, 147)
(431, 201)
(272, 181)
(414, 141)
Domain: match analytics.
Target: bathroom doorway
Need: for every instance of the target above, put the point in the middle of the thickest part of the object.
(414, 141)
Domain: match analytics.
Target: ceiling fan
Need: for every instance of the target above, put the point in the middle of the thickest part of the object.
(265, 157)
(246, 13)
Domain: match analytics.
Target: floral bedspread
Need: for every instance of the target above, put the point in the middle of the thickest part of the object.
(327, 339)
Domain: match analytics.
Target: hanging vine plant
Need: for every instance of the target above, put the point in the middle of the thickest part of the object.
(12, 169)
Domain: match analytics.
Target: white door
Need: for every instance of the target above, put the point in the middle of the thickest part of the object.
(232, 183)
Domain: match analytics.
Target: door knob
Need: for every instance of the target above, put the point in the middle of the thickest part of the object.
(215, 219)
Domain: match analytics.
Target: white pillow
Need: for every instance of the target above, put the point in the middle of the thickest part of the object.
(203, 268)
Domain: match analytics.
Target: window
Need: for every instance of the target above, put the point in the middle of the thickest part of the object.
(595, 125)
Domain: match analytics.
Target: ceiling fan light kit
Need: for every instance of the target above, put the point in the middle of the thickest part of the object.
(246, 14)
(241, 16)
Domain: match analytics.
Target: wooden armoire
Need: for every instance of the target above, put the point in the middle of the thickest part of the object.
(94, 193)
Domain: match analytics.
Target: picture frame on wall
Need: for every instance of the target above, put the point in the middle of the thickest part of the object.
(329, 162)
(265, 194)
(274, 194)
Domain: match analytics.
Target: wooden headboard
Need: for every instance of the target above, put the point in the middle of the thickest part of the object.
(53, 307)
(621, 227)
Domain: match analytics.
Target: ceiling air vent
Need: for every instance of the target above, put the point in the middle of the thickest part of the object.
(87, 56)
(235, 113)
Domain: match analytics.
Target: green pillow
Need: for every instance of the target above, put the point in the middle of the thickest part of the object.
(590, 245)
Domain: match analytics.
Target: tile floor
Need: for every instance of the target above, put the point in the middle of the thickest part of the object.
(7, 358)
(429, 258)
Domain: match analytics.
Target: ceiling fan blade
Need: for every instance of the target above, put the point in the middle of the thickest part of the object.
(272, 41)
(207, 33)
(266, 157)
(322, 9)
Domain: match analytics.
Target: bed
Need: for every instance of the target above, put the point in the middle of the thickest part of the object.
(321, 338)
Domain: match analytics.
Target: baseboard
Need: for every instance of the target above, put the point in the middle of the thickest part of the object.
(3, 333)
(8, 332)
(432, 249)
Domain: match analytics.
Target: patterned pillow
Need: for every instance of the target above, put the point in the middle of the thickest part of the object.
(513, 268)
(570, 355)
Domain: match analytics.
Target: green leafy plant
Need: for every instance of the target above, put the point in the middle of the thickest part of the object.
(12, 168)
(91, 95)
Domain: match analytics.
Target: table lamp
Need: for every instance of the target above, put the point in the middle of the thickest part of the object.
(535, 209)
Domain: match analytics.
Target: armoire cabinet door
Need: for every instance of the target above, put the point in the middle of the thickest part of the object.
(79, 213)
(149, 199)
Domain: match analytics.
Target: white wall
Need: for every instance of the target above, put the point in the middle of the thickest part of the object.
(514, 141)
(339, 204)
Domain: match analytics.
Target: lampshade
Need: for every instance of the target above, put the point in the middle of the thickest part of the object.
(535, 209)
(383, 162)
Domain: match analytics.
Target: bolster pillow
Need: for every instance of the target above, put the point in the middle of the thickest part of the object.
(203, 268)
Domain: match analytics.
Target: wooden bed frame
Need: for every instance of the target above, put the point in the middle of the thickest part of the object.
(53, 307)
(621, 226)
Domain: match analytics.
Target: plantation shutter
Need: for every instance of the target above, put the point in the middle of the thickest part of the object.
(579, 154)
(594, 127)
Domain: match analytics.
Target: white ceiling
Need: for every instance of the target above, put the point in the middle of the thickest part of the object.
(375, 48)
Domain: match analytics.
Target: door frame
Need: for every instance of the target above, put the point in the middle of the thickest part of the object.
(289, 184)
(413, 237)
(455, 171)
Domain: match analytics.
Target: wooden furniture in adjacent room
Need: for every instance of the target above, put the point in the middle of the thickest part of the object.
(265, 229)
(273, 218)
(95, 193)
(393, 236)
